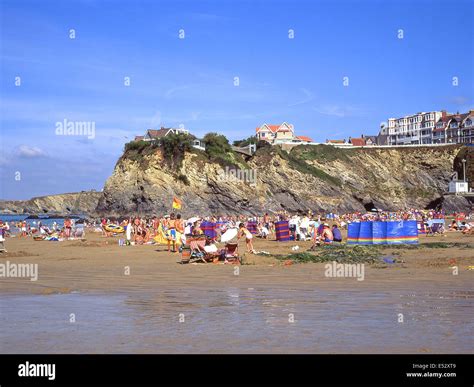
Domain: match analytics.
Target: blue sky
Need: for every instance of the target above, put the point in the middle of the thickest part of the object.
(190, 81)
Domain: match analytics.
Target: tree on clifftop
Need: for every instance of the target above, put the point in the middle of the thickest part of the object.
(216, 144)
(219, 150)
(174, 146)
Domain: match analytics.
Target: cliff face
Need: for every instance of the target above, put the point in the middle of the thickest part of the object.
(63, 204)
(321, 178)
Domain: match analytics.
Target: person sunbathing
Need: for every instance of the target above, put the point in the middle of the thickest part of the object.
(467, 228)
(453, 226)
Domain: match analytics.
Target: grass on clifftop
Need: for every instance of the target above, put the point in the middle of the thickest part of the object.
(302, 166)
(265, 153)
(322, 153)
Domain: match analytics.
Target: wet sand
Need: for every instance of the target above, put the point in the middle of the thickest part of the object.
(269, 307)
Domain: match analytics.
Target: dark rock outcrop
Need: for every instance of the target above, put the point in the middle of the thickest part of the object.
(63, 204)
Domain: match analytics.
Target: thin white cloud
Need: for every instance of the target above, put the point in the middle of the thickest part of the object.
(308, 97)
(4, 160)
(26, 151)
(175, 90)
(339, 111)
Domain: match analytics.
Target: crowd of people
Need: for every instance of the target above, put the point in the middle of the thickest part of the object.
(172, 230)
(321, 229)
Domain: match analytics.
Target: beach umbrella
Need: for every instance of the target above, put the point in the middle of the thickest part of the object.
(192, 220)
(231, 233)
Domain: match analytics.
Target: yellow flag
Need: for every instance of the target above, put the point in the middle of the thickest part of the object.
(177, 203)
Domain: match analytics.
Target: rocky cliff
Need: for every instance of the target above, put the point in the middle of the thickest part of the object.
(69, 203)
(321, 178)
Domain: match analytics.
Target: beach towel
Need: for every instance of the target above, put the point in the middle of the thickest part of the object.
(160, 236)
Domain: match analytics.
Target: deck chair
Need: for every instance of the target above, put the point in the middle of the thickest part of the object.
(193, 250)
(231, 253)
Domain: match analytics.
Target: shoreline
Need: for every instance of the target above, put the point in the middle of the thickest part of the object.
(226, 313)
(77, 265)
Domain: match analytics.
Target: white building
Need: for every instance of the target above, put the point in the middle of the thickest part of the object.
(458, 186)
(413, 129)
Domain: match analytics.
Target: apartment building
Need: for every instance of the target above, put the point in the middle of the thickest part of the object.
(454, 128)
(414, 129)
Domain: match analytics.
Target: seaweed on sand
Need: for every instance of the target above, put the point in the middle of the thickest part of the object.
(356, 253)
(430, 245)
(340, 254)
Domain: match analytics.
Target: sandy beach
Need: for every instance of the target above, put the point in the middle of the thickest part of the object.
(97, 264)
(268, 306)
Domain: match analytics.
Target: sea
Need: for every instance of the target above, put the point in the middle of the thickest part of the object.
(263, 319)
(44, 219)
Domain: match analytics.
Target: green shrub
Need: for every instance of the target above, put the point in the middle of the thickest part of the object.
(174, 146)
(220, 151)
(216, 144)
(136, 146)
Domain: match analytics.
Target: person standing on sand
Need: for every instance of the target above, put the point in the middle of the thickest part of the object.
(179, 224)
(156, 225)
(304, 226)
(103, 223)
(2, 237)
(172, 233)
(128, 231)
(243, 231)
(23, 229)
(67, 228)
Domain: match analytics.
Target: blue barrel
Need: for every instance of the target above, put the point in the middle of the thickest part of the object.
(353, 233)
(379, 233)
(365, 233)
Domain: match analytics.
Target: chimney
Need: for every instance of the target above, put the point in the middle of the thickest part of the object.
(443, 113)
(361, 136)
